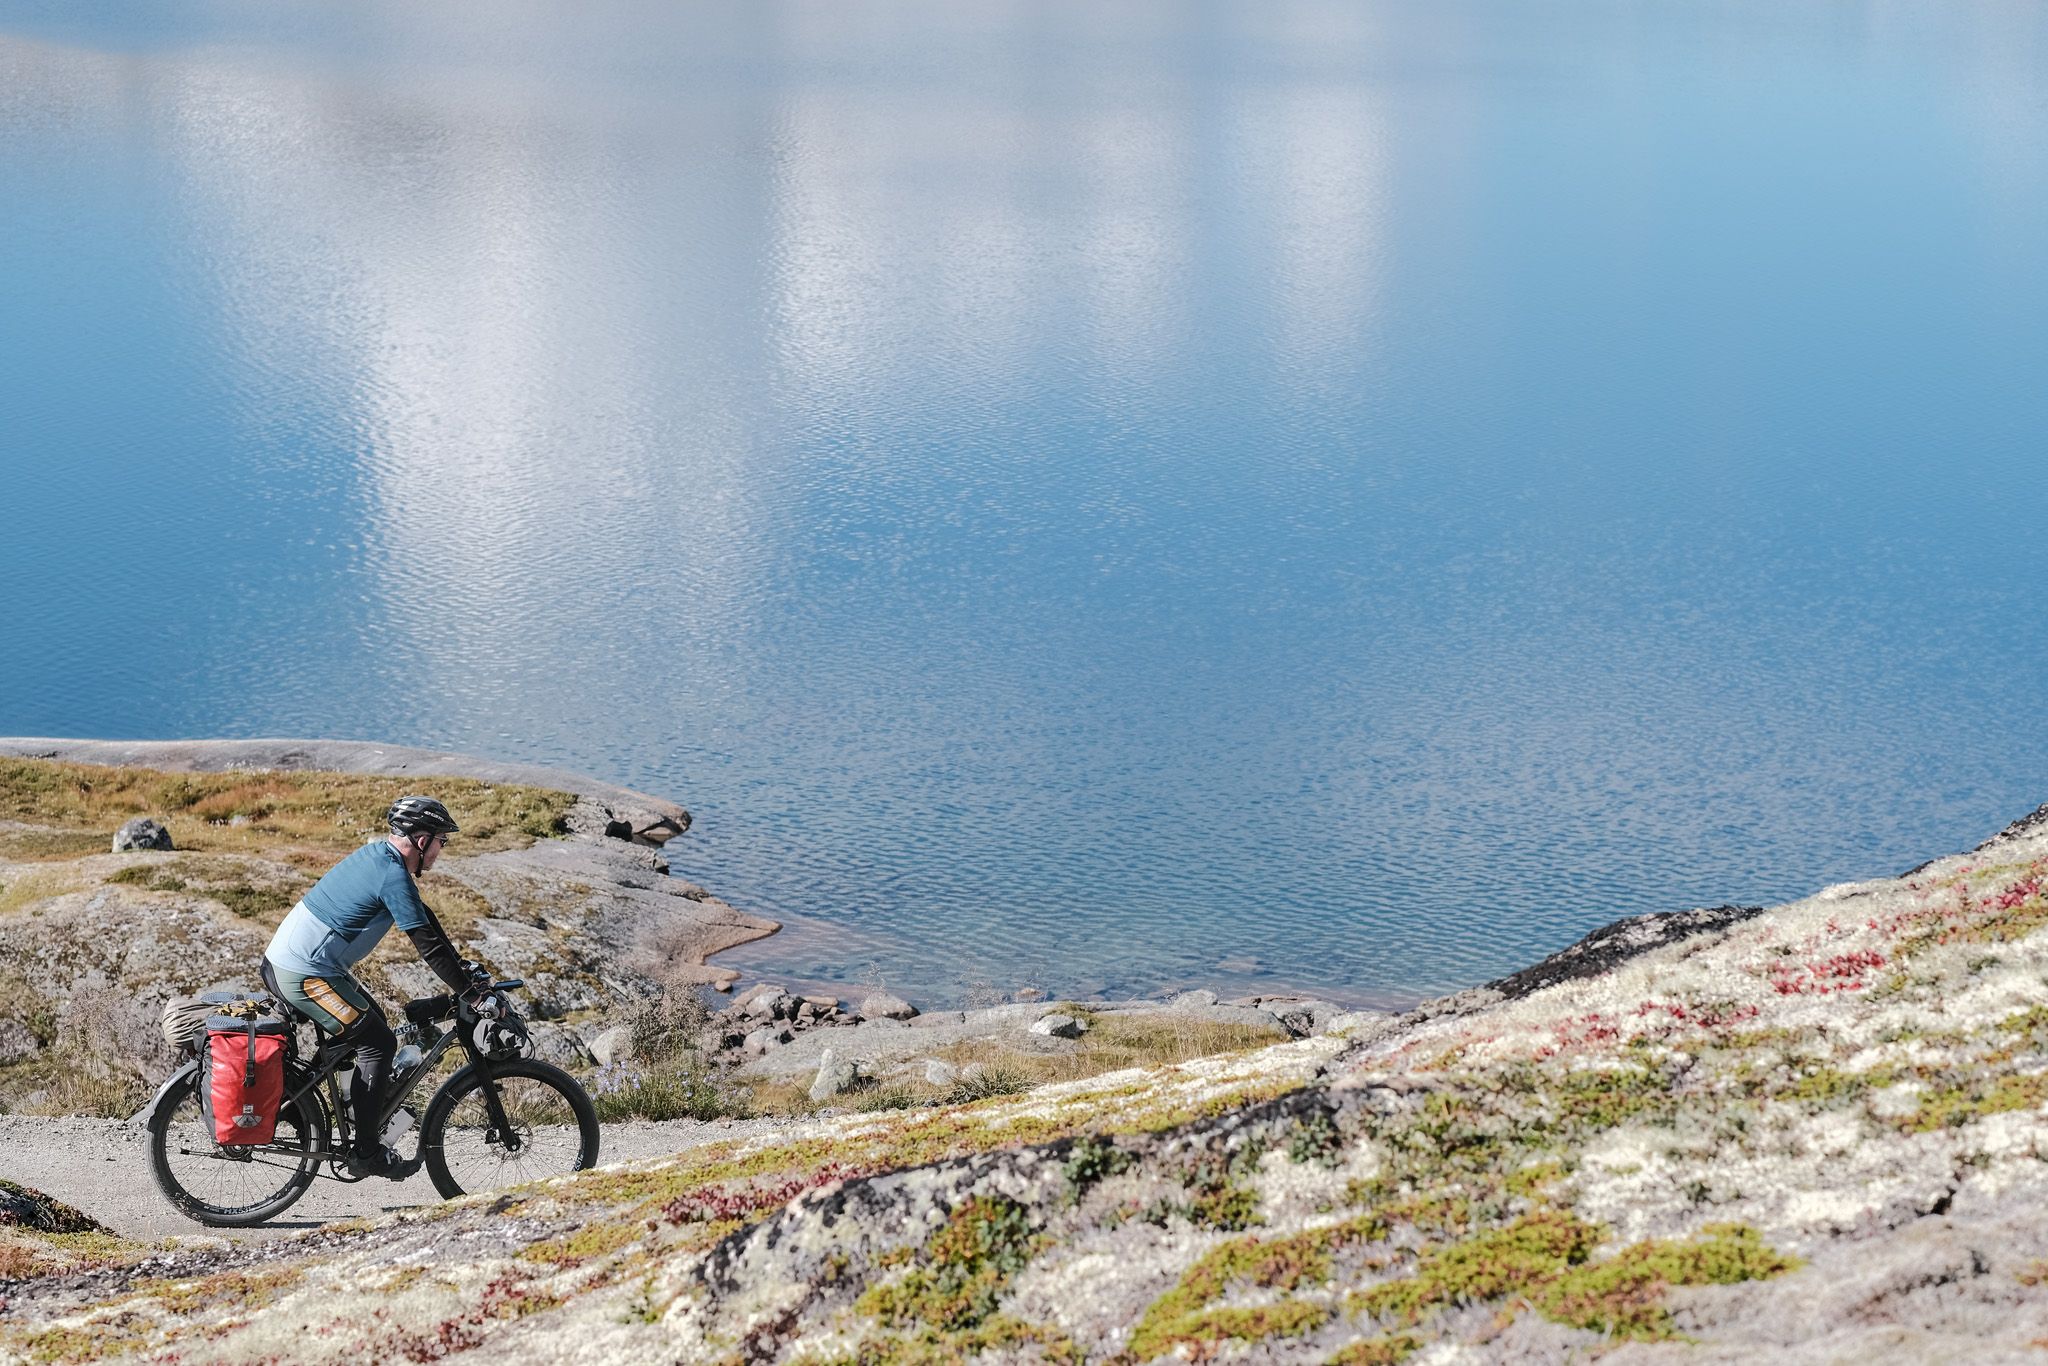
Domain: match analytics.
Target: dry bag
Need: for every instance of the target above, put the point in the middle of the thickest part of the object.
(245, 1077)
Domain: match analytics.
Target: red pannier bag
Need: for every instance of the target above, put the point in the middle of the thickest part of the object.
(245, 1077)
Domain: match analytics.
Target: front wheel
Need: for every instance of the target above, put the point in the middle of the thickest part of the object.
(233, 1187)
(551, 1128)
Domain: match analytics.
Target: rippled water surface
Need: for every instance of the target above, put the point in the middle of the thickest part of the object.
(1090, 495)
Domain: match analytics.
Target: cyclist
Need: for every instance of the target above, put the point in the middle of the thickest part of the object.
(336, 925)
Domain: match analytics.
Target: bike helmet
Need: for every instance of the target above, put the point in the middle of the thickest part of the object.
(420, 815)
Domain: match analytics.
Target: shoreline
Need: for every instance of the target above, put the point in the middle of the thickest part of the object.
(655, 822)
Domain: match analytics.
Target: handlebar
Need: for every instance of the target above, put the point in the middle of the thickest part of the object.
(429, 1009)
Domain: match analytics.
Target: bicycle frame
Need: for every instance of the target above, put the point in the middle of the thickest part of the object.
(326, 1069)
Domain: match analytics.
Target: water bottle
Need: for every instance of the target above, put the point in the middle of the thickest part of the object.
(400, 1125)
(408, 1055)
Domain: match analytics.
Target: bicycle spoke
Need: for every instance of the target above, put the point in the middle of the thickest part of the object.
(545, 1139)
(222, 1184)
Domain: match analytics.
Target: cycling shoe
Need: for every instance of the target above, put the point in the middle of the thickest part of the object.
(380, 1161)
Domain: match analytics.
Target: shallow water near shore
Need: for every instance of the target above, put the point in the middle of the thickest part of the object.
(1090, 497)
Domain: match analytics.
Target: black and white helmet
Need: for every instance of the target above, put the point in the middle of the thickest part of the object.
(420, 815)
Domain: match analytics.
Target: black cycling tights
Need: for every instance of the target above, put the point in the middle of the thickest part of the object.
(375, 1045)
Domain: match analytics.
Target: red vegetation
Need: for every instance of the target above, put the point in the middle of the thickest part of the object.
(715, 1203)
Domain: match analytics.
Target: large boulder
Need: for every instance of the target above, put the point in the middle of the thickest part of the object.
(141, 833)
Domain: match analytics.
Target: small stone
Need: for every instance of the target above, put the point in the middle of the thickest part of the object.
(1194, 1000)
(882, 1006)
(141, 833)
(826, 1005)
(835, 1074)
(611, 1045)
(1059, 1027)
(1028, 994)
(937, 1073)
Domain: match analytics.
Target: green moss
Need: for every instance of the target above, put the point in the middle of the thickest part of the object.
(1532, 1179)
(998, 1333)
(1622, 1295)
(582, 1244)
(1315, 1140)
(95, 1341)
(961, 1271)
(2026, 1024)
(1828, 1087)
(1293, 1262)
(1534, 1249)
(1384, 1351)
(1093, 1159)
(1955, 1106)
(238, 1289)
(1543, 1258)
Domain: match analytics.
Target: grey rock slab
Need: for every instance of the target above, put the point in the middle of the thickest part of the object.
(1194, 1000)
(1237, 1015)
(882, 1006)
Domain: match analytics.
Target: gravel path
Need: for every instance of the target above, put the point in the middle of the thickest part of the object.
(102, 1167)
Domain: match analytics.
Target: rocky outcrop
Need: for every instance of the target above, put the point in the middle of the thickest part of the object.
(91, 946)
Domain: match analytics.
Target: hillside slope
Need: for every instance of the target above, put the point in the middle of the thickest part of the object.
(1814, 1134)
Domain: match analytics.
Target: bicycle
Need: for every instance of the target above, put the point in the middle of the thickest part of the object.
(502, 1119)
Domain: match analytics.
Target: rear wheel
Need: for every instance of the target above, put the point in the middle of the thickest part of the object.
(552, 1128)
(230, 1187)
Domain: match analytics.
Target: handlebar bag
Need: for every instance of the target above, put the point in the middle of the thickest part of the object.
(244, 1077)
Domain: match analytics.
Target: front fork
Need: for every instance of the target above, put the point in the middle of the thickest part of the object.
(494, 1104)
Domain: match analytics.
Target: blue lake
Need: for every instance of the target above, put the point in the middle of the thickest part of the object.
(1098, 496)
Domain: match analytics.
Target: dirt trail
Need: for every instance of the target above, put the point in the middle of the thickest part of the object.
(102, 1167)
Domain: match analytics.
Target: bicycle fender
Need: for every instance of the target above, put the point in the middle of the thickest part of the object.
(142, 1116)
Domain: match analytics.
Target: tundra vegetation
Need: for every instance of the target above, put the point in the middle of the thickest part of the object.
(1816, 1134)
